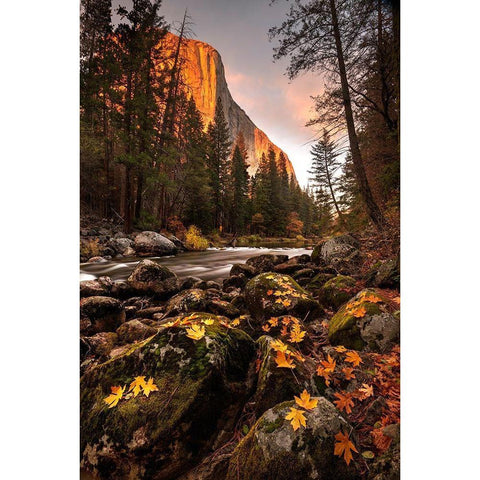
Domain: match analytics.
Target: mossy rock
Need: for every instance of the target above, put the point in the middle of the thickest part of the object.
(376, 330)
(272, 450)
(190, 300)
(266, 262)
(201, 392)
(318, 281)
(274, 384)
(336, 291)
(272, 294)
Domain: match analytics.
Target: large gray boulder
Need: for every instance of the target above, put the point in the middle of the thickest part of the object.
(272, 294)
(149, 278)
(201, 392)
(273, 450)
(121, 244)
(341, 252)
(153, 244)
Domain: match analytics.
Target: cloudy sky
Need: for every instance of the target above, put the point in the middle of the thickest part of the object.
(238, 30)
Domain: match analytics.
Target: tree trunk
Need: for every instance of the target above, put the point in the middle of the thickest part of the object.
(372, 208)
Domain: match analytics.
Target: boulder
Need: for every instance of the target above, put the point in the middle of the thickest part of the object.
(238, 268)
(201, 391)
(374, 328)
(341, 252)
(319, 281)
(134, 331)
(149, 312)
(189, 282)
(101, 344)
(272, 294)
(148, 278)
(336, 291)
(121, 244)
(386, 275)
(105, 314)
(222, 307)
(101, 286)
(235, 281)
(275, 385)
(97, 259)
(266, 262)
(186, 301)
(153, 244)
(273, 450)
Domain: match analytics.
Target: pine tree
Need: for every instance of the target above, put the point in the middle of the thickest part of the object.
(219, 162)
(197, 191)
(325, 164)
(240, 187)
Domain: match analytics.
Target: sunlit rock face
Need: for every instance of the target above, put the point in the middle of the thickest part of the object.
(204, 75)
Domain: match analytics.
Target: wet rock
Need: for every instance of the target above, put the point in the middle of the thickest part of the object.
(341, 252)
(97, 259)
(272, 450)
(213, 285)
(386, 275)
(134, 331)
(235, 281)
(201, 391)
(376, 330)
(266, 262)
(153, 244)
(275, 385)
(337, 290)
(186, 301)
(101, 286)
(318, 281)
(121, 244)
(304, 273)
(129, 252)
(148, 278)
(238, 268)
(105, 314)
(149, 312)
(272, 295)
(189, 282)
(101, 344)
(221, 307)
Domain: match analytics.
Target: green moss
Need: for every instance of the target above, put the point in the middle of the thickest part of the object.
(343, 328)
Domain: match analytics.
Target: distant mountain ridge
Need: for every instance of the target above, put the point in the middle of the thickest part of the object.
(204, 75)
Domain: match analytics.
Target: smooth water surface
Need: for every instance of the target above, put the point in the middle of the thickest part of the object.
(213, 264)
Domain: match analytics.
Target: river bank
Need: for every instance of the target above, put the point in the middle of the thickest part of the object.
(229, 355)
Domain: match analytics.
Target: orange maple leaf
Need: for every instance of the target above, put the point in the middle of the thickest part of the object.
(348, 372)
(284, 331)
(329, 364)
(340, 349)
(114, 397)
(137, 385)
(321, 372)
(344, 402)
(305, 401)
(284, 361)
(297, 418)
(297, 334)
(286, 303)
(273, 321)
(266, 327)
(353, 358)
(196, 332)
(269, 292)
(359, 312)
(344, 446)
(149, 387)
(366, 390)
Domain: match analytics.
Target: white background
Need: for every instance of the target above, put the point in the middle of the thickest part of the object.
(39, 223)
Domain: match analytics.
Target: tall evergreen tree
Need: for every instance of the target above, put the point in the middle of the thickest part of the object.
(219, 162)
(325, 164)
(240, 184)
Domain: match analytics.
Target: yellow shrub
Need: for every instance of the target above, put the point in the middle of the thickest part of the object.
(194, 239)
(90, 248)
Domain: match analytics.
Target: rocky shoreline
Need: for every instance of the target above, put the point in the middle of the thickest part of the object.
(219, 412)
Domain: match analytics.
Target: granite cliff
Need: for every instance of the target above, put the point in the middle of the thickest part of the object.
(204, 76)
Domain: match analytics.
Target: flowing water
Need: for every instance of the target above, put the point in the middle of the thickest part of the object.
(212, 264)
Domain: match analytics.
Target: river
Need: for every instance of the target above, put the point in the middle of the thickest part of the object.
(212, 264)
